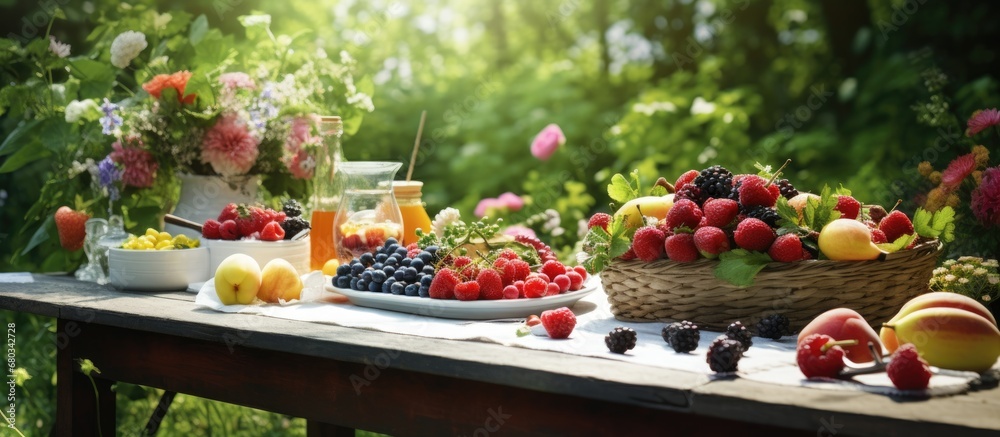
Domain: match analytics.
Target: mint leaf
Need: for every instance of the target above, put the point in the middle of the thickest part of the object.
(842, 191)
(939, 224)
(899, 244)
(618, 238)
(602, 246)
(620, 190)
(819, 213)
(739, 266)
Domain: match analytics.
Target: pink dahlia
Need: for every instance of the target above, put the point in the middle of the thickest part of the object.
(301, 165)
(511, 201)
(959, 169)
(237, 80)
(229, 147)
(981, 120)
(301, 132)
(139, 165)
(486, 205)
(547, 141)
(986, 198)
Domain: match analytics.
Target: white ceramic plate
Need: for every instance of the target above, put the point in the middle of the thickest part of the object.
(468, 310)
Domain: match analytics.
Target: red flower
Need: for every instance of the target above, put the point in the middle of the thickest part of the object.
(986, 198)
(177, 81)
(981, 120)
(959, 169)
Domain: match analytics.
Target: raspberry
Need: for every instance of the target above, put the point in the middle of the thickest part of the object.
(411, 246)
(534, 287)
(515, 270)
(600, 219)
(519, 285)
(753, 234)
(510, 292)
(551, 289)
(684, 213)
(878, 237)
(754, 190)
(629, 255)
(464, 266)
(575, 280)
(500, 263)
(686, 178)
(553, 269)
(563, 282)
(229, 231)
(353, 242)
(443, 285)
(540, 275)
(468, 290)
(907, 370)
(559, 323)
(720, 212)
(896, 225)
(786, 248)
(818, 355)
(711, 241)
(490, 284)
(620, 339)
(688, 191)
(581, 271)
(848, 206)
(509, 255)
(375, 237)
(724, 355)
(412, 253)
(211, 229)
(272, 232)
(648, 243)
(681, 248)
(229, 212)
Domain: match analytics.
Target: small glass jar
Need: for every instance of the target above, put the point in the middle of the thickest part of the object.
(411, 207)
(327, 188)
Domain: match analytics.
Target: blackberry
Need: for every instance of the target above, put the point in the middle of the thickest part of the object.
(788, 191)
(292, 208)
(773, 327)
(688, 191)
(765, 214)
(620, 339)
(714, 181)
(877, 213)
(293, 225)
(685, 338)
(724, 354)
(736, 331)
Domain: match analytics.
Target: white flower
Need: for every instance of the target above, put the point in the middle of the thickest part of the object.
(949, 278)
(963, 280)
(969, 258)
(59, 49)
(444, 218)
(986, 298)
(979, 271)
(949, 263)
(126, 47)
(255, 20)
(993, 279)
(939, 271)
(990, 263)
(160, 20)
(82, 110)
(79, 167)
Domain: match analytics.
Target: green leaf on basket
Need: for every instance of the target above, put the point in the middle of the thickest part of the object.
(601, 246)
(819, 212)
(899, 244)
(739, 266)
(939, 224)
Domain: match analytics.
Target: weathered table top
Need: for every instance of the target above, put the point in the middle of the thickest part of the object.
(809, 410)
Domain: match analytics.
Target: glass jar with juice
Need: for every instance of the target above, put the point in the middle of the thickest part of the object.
(368, 214)
(327, 187)
(411, 207)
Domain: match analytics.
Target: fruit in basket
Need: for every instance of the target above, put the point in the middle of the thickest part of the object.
(684, 213)
(753, 234)
(848, 207)
(720, 212)
(711, 241)
(907, 370)
(845, 324)
(895, 225)
(950, 338)
(848, 240)
(620, 339)
(799, 202)
(558, 323)
(724, 354)
(648, 243)
(237, 279)
(757, 191)
(71, 226)
(819, 355)
(599, 219)
(681, 247)
(937, 299)
(786, 248)
(279, 280)
(647, 206)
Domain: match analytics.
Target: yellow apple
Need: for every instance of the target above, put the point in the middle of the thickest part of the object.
(650, 206)
(848, 240)
(237, 279)
(279, 280)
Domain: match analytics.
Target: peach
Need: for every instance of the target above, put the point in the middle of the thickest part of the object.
(237, 279)
(279, 280)
(845, 324)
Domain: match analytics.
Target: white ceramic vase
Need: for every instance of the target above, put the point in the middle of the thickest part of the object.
(203, 197)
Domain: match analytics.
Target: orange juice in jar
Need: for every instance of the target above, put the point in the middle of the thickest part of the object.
(321, 247)
(412, 209)
(327, 187)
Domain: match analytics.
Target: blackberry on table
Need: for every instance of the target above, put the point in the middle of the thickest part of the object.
(774, 327)
(292, 208)
(685, 337)
(621, 339)
(293, 225)
(714, 181)
(765, 214)
(724, 354)
(788, 191)
(736, 331)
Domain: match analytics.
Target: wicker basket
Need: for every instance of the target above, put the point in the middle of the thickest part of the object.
(668, 291)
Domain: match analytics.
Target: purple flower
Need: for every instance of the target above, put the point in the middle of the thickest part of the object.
(547, 141)
(110, 120)
(982, 120)
(107, 174)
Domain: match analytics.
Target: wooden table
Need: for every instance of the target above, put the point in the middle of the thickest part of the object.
(340, 379)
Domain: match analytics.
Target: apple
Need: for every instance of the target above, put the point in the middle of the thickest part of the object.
(279, 280)
(649, 206)
(237, 279)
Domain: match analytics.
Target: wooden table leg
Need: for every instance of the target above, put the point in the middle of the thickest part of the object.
(80, 411)
(320, 429)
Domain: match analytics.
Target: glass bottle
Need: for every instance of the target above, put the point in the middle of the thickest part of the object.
(368, 213)
(326, 193)
(91, 272)
(411, 207)
(114, 238)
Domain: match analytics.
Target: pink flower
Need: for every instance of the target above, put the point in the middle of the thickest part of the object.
(301, 133)
(237, 80)
(547, 141)
(139, 165)
(511, 201)
(301, 165)
(981, 120)
(229, 147)
(487, 205)
(986, 198)
(516, 230)
(959, 169)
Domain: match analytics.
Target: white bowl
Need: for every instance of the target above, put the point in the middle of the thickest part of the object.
(295, 252)
(157, 270)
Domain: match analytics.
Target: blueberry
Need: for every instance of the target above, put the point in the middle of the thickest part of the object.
(379, 276)
(367, 259)
(397, 288)
(366, 275)
(343, 270)
(343, 282)
(426, 257)
(391, 248)
(432, 249)
(355, 261)
(391, 261)
(391, 241)
(399, 274)
(417, 263)
(412, 290)
(380, 258)
(405, 262)
(401, 251)
(426, 280)
(387, 285)
(361, 285)
(424, 291)
(354, 283)
(377, 266)
(374, 287)
(427, 270)
(356, 269)
(410, 274)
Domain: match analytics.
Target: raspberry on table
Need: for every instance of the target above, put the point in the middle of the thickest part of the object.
(907, 370)
(818, 355)
(558, 323)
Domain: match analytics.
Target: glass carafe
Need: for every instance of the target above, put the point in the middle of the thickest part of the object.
(327, 188)
(114, 238)
(368, 213)
(91, 272)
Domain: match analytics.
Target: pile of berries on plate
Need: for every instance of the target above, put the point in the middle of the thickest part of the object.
(256, 222)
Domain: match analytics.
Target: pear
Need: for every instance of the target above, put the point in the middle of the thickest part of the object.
(848, 240)
(950, 338)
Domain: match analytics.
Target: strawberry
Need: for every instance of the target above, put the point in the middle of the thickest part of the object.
(563, 282)
(786, 248)
(878, 237)
(575, 280)
(244, 221)
(211, 229)
(559, 323)
(629, 255)
(895, 225)
(519, 285)
(600, 219)
(534, 287)
(754, 190)
(551, 289)
(907, 370)
(468, 290)
(552, 269)
(686, 178)
(711, 241)
(681, 248)
(684, 213)
(272, 232)
(229, 212)
(490, 284)
(510, 292)
(229, 231)
(443, 285)
(848, 206)
(648, 243)
(720, 212)
(818, 355)
(71, 226)
(753, 234)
